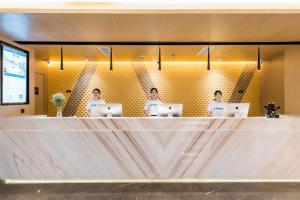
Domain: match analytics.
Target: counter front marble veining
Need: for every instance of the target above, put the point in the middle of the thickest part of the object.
(150, 148)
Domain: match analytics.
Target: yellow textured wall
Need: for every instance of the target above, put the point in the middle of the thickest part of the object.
(291, 80)
(178, 82)
(272, 82)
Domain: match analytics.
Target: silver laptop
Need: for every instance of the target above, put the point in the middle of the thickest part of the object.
(169, 110)
(236, 109)
(108, 110)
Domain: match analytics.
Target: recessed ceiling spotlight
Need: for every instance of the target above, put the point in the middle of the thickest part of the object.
(86, 58)
(47, 61)
(104, 50)
(204, 51)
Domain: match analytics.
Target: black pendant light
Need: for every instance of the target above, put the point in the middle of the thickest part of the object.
(258, 59)
(61, 58)
(208, 58)
(159, 59)
(111, 61)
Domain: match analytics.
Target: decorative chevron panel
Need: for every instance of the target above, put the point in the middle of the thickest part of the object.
(178, 82)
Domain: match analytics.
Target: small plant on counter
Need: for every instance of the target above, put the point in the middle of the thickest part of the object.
(271, 109)
(58, 100)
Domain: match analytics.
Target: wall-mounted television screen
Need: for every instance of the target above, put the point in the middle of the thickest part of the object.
(14, 75)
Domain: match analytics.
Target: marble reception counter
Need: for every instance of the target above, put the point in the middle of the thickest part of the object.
(154, 149)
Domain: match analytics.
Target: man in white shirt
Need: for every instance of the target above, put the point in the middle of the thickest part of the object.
(216, 107)
(150, 108)
(92, 103)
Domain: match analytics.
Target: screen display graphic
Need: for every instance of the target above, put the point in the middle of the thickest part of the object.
(14, 75)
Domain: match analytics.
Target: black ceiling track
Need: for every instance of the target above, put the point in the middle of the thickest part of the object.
(149, 43)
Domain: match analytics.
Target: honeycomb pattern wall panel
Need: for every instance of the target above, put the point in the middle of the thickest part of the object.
(178, 82)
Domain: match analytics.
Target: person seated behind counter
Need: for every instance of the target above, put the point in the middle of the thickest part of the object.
(96, 100)
(150, 108)
(217, 106)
